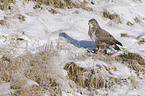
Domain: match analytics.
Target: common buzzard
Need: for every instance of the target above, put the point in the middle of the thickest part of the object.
(101, 38)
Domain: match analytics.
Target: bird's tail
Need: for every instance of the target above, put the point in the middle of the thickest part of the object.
(117, 42)
(116, 47)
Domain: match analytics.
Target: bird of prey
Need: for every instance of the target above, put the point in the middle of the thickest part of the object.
(101, 38)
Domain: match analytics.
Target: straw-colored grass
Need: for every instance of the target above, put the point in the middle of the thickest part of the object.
(90, 79)
(38, 68)
(5, 4)
(133, 61)
(114, 17)
(63, 4)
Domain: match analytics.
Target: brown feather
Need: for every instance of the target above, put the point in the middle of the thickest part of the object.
(100, 36)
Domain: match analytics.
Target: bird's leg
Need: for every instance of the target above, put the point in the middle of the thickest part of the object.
(97, 51)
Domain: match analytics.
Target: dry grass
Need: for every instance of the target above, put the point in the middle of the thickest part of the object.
(5, 4)
(136, 20)
(95, 78)
(142, 41)
(114, 17)
(41, 69)
(138, 1)
(38, 68)
(133, 61)
(127, 35)
(124, 35)
(90, 79)
(129, 23)
(2, 22)
(21, 17)
(12, 20)
(9, 67)
(33, 90)
(63, 4)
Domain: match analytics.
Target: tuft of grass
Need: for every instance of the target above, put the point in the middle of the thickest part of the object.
(127, 35)
(9, 21)
(124, 35)
(2, 22)
(133, 56)
(53, 11)
(133, 61)
(8, 67)
(45, 81)
(18, 84)
(138, 20)
(129, 23)
(21, 17)
(89, 79)
(115, 17)
(76, 12)
(5, 4)
(39, 68)
(33, 90)
(142, 41)
(138, 1)
(37, 6)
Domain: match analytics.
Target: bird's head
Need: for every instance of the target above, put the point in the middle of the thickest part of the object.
(93, 23)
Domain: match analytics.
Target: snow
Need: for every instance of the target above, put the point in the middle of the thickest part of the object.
(42, 27)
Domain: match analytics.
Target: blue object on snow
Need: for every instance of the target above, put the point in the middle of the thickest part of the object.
(85, 44)
(140, 36)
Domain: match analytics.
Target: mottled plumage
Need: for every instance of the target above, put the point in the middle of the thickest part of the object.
(100, 37)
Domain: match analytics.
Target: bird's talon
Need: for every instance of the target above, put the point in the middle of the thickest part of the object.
(96, 52)
(101, 37)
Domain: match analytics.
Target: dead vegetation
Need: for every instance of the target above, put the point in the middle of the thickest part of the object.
(117, 19)
(114, 17)
(53, 11)
(5, 4)
(129, 23)
(133, 56)
(124, 35)
(90, 79)
(63, 4)
(136, 20)
(33, 90)
(21, 17)
(2, 22)
(133, 61)
(138, 1)
(38, 68)
(140, 39)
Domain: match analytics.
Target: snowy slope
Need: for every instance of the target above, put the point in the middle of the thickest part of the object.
(41, 27)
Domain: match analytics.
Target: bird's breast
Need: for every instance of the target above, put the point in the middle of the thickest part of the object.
(94, 37)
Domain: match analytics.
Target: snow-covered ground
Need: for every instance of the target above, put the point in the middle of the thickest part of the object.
(41, 27)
